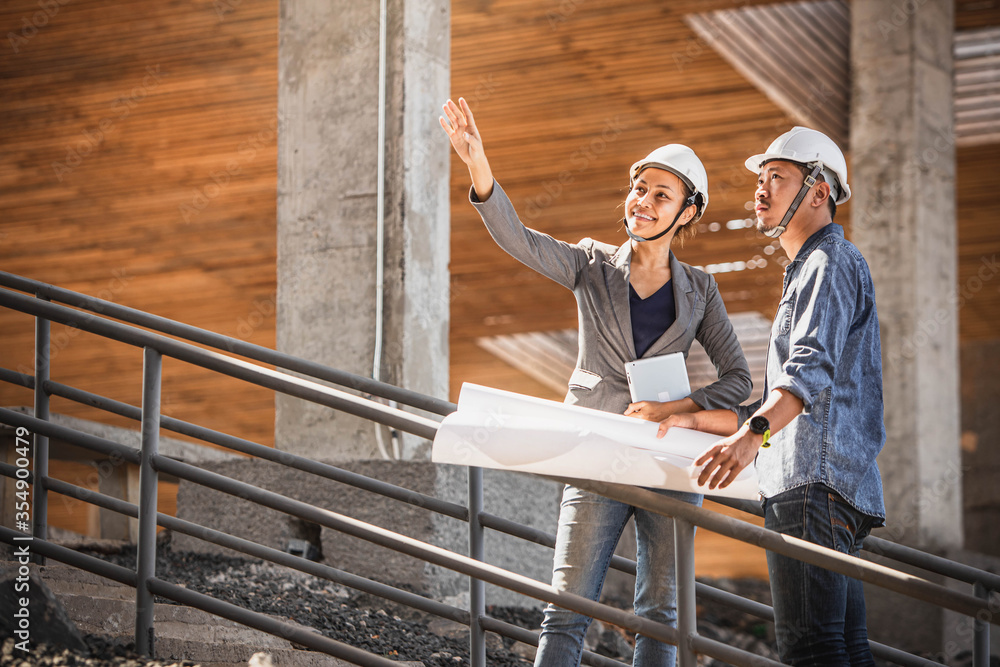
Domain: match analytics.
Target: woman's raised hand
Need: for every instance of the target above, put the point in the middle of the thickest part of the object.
(462, 130)
(464, 135)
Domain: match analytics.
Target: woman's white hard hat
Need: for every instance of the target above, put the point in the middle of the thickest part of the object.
(681, 161)
(808, 147)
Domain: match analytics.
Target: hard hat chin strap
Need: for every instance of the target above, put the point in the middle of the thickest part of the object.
(690, 201)
(809, 181)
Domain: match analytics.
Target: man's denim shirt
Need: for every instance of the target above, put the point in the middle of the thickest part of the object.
(825, 349)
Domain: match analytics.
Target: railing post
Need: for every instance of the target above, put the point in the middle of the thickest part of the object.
(40, 464)
(687, 614)
(981, 631)
(146, 557)
(477, 588)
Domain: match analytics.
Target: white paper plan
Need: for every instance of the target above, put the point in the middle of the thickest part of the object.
(508, 431)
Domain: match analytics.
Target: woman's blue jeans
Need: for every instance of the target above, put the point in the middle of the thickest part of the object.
(819, 614)
(589, 528)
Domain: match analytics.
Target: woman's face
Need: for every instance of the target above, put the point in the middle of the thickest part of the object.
(653, 202)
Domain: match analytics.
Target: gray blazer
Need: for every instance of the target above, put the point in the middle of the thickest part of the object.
(598, 274)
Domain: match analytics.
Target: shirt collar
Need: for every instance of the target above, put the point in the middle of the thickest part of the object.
(832, 229)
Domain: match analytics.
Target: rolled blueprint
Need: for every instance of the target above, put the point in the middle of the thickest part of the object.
(507, 431)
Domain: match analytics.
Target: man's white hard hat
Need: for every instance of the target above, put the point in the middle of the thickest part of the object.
(681, 161)
(808, 147)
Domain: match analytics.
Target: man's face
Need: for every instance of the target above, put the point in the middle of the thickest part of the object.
(778, 183)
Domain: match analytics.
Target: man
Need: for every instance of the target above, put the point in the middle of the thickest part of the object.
(816, 432)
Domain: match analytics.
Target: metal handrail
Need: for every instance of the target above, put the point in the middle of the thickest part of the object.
(413, 547)
(103, 568)
(299, 563)
(878, 546)
(450, 509)
(404, 495)
(243, 370)
(150, 463)
(873, 544)
(748, 606)
(390, 593)
(786, 545)
(92, 442)
(246, 617)
(227, 343)
(232, 542)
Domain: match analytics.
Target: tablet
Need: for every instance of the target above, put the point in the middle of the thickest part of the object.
(663, 378)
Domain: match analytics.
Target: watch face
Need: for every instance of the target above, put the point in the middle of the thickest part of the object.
(759, 425)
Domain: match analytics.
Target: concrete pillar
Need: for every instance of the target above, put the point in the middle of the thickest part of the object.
(114, 482)
(327, 182)
(903, 220)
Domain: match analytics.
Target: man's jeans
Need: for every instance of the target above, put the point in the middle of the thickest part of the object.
(819, 615)
(589, 528)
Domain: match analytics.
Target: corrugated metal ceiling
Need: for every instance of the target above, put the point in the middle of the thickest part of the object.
(798, 54)
(977, 86)
(785, 50)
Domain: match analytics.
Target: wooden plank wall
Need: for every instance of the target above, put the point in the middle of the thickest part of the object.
(138, 164)
(978, 181)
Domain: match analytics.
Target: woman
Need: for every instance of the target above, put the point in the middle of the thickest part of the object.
(637, 300)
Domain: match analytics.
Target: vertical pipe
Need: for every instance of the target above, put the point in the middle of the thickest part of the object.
(380, 225)
(981, 632)
(146, 559)
(40, 465)
(380, 193)
(477, 588)
(687, 620)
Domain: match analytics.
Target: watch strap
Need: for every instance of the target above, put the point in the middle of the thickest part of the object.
(766, 434)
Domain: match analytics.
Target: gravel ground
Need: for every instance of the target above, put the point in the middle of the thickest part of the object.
(371, 623)
(102, 654)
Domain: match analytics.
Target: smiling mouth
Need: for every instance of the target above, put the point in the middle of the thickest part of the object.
(642, 216)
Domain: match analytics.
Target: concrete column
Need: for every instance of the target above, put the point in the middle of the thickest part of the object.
(327, 182)
(903, 220)
(115, 483)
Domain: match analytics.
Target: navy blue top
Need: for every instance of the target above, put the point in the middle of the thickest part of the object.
(651, 316)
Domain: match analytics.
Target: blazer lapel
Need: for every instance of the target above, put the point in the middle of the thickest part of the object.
(684, 302)
(616, 275)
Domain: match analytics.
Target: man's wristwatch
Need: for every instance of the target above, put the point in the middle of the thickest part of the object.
(760, 426)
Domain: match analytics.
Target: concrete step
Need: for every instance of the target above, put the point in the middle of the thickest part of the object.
(106, 608)
(65, 579)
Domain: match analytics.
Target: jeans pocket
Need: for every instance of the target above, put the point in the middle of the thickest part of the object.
(848, 526)
(787, 516)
